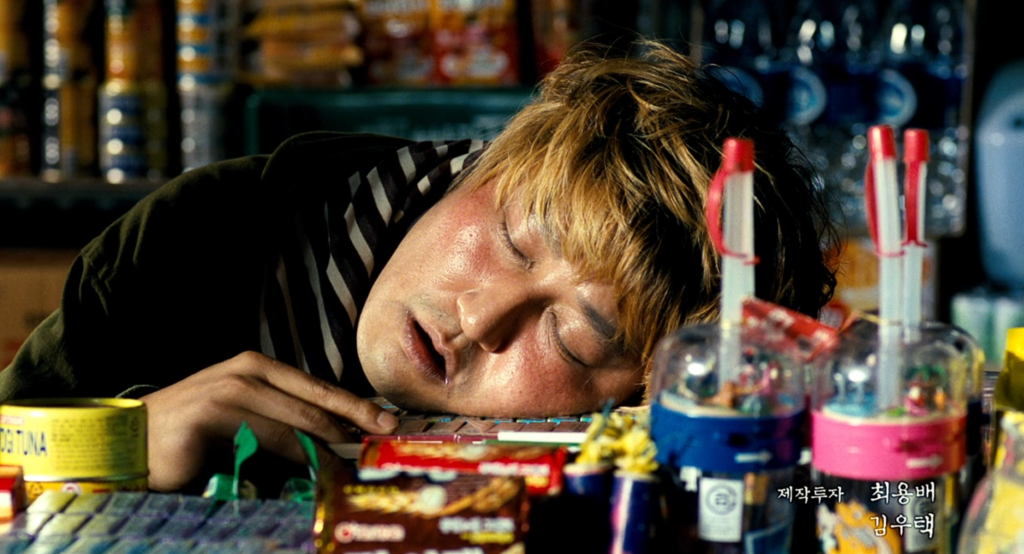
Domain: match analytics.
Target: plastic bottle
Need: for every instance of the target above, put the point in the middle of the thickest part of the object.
(831, 97)
(994, 516)
(921, 85)
(742, 43)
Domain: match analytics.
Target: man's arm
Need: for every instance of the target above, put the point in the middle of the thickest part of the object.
(135, 290)
(164, 305)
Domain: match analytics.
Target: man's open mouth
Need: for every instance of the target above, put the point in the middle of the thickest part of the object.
(433, 356)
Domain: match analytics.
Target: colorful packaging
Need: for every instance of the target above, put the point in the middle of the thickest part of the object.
(391, 512)
(477, 42)
(134, 43)
(556, 28)
(540, 465)
(398, 42)
(133, 130)
(308, 42)
(12, 492)
(208, 39)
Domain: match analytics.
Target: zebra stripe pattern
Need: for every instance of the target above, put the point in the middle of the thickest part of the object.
(321, 277)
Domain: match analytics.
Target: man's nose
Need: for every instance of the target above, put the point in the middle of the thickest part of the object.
(491, 315)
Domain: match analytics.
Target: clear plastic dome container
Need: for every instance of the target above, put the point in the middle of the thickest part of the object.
(889, 413)
(934, 371)
(714, 370)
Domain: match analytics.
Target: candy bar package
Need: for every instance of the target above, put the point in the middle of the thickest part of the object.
(390, 511)
(476, 42)
(398, 42)
(540, 465)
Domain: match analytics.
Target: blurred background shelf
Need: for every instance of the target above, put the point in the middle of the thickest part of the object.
(418, 114)
(64, 215)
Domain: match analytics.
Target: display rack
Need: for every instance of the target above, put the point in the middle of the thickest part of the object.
(40, 214)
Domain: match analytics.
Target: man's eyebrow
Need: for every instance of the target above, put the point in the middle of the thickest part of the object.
(604, 327)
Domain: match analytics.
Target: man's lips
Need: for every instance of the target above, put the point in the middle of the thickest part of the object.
(419, 346)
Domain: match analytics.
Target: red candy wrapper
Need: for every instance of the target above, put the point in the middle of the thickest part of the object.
(799, 335)
(12, 492)
(540, 465)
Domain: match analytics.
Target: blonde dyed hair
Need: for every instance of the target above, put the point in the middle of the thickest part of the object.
(614, 157)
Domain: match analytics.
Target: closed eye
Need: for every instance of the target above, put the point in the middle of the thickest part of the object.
(506, 238)
(556, 338)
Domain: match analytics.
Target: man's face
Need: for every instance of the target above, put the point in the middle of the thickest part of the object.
(477, 314)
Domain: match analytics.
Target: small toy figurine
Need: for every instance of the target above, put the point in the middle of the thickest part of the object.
(925, 392)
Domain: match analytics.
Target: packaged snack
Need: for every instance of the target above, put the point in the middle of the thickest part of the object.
(540, 465)
(398, 42)
(385, 512)
(477, 42)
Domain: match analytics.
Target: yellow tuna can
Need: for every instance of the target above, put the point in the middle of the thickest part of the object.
(76, 440)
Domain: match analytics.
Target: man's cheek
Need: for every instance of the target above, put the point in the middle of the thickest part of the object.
(542, 381)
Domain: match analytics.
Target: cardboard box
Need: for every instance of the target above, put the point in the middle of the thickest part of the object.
(31, 282)
(857, 282)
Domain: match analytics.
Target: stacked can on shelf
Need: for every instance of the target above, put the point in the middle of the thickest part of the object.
(133, 99)
(206, 59)
(14, 91)
(70, 78)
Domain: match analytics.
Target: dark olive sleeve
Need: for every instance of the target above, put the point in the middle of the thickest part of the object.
(137, 294)
(175, 285)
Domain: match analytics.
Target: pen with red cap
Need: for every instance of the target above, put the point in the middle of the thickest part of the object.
(915, 160)
(882, 196)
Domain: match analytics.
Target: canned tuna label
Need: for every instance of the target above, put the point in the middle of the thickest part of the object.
(33, 489)
(66, 439)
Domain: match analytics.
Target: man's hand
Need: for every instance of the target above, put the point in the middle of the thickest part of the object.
(197, 418)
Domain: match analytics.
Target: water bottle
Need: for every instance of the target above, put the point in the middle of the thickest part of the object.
(831, 94)
(921, 85)
(742, 43)
(993, 522)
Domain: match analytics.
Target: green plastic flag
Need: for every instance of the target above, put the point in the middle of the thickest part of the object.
(223, 487)
(303, 490)
(245, 446)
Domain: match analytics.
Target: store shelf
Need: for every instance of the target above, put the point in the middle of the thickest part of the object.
(272, 115)
(40, 214)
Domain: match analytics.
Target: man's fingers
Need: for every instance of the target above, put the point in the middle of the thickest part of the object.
(256, 396)
(363, 413)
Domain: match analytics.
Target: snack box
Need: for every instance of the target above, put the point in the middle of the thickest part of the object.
(540, 465)
(387, 512)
